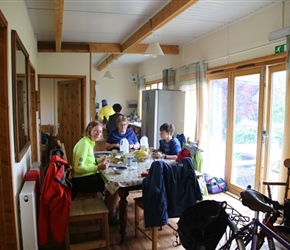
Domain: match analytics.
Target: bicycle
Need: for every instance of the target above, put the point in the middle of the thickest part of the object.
(243, 233)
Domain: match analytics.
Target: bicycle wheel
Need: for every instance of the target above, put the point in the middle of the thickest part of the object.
(236, 243)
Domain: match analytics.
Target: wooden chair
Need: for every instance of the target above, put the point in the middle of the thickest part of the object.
(61, 145)
(154, 230)
(184, 177)
(46, 129)
(88, 210)
(286, 184)
(286, 197)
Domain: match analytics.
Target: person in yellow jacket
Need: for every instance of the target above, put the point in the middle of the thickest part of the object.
(105, 112)
(86, 177)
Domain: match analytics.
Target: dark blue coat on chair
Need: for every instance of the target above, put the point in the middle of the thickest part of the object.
(168, 190)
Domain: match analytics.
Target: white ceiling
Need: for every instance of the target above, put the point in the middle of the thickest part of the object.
(113, 21)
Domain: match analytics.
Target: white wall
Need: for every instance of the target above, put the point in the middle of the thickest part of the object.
(74, 64)
(120, 89)
(16, 14)
(47, 101)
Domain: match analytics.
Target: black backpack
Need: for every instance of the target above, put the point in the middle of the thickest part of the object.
(202, 225)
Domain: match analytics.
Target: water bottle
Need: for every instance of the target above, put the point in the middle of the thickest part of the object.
(144, 143)
(124, 146)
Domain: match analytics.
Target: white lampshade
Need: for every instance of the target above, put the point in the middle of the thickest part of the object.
(154, 50)
(108, 74)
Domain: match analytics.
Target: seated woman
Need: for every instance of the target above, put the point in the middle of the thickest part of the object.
(114, 138)
(85, 176)
(169, 147)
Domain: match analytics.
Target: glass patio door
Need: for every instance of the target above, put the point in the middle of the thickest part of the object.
(245, 126)
(245, 110)
(275, 125)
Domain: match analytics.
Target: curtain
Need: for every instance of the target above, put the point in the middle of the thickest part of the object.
(168, 77)
(141, 83)
(193, 77)
(141, 87)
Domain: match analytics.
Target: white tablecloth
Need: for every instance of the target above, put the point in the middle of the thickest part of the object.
(130, 177)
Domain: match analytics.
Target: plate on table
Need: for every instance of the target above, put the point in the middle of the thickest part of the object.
(101, 153)
(119, 169)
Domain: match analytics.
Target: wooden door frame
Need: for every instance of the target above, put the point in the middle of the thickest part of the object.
(73, 77)
(8, 236)
(32, 113)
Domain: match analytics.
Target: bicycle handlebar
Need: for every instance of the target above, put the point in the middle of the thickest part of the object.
(257, 201)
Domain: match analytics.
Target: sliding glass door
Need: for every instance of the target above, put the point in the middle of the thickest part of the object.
(245, 127)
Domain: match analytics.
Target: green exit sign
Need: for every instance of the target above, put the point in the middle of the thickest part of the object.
(280, 48)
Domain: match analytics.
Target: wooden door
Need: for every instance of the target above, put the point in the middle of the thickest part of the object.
(69, 114)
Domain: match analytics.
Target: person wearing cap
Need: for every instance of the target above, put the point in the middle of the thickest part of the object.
(105, 112)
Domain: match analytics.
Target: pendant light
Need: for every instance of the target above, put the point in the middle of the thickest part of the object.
(154, 50)
(108, 75)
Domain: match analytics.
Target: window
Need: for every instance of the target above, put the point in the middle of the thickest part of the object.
(158, 84)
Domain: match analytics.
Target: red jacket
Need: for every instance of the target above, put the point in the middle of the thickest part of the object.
(55, 202)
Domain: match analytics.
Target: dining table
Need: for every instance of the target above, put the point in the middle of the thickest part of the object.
(129, 180)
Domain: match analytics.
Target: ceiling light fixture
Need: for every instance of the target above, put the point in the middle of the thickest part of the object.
(108, 75)
(154, 50)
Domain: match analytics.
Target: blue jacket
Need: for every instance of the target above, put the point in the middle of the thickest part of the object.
(116, 137)
(168, 190)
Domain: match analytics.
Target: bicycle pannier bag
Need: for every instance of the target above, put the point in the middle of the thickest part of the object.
(215, 184)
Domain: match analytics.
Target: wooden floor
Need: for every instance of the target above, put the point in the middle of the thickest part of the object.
(166, 236)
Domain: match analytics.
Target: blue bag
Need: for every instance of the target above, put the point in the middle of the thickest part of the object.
(215, 184)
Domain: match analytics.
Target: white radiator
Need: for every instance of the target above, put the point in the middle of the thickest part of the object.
(28, 215)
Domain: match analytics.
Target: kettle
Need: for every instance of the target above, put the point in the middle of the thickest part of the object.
(144, 143)
(124, 145)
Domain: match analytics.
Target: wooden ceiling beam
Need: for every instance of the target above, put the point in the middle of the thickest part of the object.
(103, 48)
(170, 11)
(136, 49)
(65, 47)
(113, 48)
(58, 12)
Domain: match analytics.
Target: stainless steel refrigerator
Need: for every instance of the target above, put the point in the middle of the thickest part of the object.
(158, 107)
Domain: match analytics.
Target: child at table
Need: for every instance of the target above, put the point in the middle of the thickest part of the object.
(169, 146)
(86, 176)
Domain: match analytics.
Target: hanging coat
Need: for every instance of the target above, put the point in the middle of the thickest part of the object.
(55, 202)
